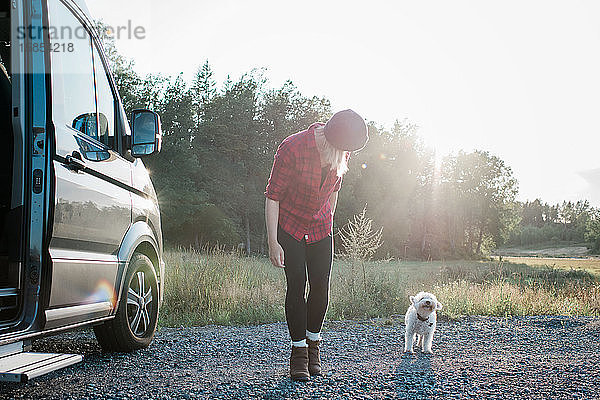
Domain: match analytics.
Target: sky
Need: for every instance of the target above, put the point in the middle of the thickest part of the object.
(518, 79)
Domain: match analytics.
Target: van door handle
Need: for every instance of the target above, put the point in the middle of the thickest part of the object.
(74, 161)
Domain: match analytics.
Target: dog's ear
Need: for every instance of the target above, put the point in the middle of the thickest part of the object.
(438, 306)
(412, 300)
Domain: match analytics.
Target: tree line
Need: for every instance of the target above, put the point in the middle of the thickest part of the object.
(543, 223)
(218, 148)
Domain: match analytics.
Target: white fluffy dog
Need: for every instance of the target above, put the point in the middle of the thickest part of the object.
(420, 320)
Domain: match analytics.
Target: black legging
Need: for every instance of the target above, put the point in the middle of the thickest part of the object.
(300, 257)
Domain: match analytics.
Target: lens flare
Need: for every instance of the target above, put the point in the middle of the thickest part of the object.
(104, 291)
(364, 166)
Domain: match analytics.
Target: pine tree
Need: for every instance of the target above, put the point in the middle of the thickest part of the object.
(204, 89)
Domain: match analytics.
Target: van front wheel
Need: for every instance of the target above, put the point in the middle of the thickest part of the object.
(135, 322)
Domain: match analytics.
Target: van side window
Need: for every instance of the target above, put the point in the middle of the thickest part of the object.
(106, 103)
(73, 95)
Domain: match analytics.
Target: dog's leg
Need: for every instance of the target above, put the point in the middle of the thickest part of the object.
(427, 342)
(419, 340)
(408, 341)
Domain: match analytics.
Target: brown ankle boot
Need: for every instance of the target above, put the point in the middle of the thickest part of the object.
(299, 364)
(314, 358)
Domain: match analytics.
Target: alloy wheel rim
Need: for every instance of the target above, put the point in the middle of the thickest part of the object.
(139, 304)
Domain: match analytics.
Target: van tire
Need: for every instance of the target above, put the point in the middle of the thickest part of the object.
(117, 335)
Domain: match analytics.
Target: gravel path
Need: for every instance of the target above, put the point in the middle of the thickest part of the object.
(529, 357)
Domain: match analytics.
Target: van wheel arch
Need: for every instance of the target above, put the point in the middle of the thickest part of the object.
(141, 239)
(149, 251)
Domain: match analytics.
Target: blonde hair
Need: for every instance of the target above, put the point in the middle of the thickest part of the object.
(337, 159)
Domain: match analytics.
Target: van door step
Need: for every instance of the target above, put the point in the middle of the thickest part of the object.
(23, 366)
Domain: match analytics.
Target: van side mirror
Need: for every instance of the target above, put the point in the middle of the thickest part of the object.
(86, 124)
(146, 135)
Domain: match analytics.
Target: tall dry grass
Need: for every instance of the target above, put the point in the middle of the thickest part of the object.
(219, 287)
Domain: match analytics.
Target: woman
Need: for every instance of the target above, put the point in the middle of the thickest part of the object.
(301, 198)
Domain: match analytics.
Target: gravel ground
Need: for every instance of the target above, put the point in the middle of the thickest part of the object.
(529, 357)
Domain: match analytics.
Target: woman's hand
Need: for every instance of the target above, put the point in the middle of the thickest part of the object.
(272, 216)
(276, 254)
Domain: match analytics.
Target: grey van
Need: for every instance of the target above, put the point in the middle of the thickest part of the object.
(80, 235)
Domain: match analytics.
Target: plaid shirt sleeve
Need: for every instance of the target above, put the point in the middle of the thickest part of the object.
(281, 173)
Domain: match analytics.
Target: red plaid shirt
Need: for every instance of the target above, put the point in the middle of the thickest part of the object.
(295, 182)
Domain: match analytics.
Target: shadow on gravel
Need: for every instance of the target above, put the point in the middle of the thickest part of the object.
(286, 388)
(414, 376)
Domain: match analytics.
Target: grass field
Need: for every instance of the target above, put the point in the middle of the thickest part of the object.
(591, 264)
(219, 287)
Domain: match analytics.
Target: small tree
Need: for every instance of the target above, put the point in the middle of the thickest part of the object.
(359, 244)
